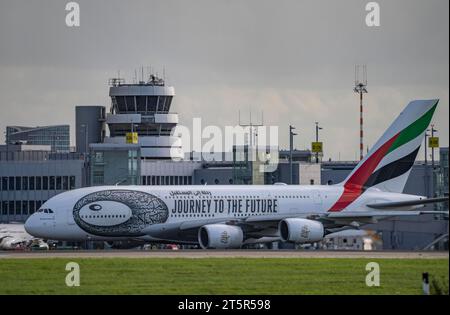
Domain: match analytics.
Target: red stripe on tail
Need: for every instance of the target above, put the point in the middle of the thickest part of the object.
(353, 187)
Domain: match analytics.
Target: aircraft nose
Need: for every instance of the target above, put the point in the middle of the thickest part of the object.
(31, 225)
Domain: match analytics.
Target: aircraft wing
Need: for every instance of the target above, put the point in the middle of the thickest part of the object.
(401, 204)
(336, 221)
(263, 220)
(332, 221)
(381, 211)
(328, 219)
(344, 220)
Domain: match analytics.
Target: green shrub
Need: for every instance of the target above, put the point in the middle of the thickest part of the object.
(439, 286)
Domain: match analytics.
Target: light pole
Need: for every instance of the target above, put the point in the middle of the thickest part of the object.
(426, 145)
(7, 143)
(432, 149)
(86, 155)
(291, 147)
(426, 164)
(317, 139)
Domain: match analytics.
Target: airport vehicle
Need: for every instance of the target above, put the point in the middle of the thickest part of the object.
(233, 215)
(13, 236)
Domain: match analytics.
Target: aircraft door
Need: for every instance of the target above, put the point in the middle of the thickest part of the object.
(317, 197)
(69, 217)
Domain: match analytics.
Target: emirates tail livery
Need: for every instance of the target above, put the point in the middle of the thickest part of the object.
(229, 216)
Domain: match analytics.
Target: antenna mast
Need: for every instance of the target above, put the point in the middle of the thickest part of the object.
(251, 125)
(361, 88)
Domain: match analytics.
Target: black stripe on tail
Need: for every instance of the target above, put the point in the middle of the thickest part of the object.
(392, 170)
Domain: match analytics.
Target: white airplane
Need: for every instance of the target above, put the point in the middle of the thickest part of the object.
(13, 236)
(232, 215)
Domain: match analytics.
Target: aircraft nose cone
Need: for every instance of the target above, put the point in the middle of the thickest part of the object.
(30, 225)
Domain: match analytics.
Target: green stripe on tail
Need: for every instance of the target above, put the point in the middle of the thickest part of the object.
(414, 130)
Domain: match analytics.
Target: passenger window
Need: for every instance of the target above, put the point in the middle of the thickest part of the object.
(45, 210)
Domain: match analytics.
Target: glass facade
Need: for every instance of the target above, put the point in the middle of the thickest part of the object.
(20, 207)
(37, 183)
(166, 180)
(57, 137)
(31, 184)
(246, 170)
(441, 177)
(117, 166)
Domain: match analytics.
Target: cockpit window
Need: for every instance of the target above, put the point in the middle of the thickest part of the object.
(45, 210)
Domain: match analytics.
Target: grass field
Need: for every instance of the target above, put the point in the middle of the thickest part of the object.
(254, 276)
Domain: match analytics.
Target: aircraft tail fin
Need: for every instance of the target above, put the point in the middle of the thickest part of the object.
(389, 162)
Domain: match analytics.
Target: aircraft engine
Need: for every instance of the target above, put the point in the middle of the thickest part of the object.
(300, 230)
(8, 243)
(220, 236)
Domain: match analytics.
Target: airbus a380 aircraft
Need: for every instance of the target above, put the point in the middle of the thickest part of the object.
(230, 216)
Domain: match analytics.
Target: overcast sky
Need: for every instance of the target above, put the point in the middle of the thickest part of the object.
(294, 60)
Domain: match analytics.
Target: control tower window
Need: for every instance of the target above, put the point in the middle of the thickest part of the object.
(140, 102)
(161, 102)
(166, 131)
(129, 100)
(166, 104)
(121, 103)
(152, 100)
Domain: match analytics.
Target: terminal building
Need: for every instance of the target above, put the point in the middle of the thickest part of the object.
(57, 137)
(132, 143)
(30, 175)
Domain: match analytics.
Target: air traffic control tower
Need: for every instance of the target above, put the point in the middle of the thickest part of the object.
(143, 108)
